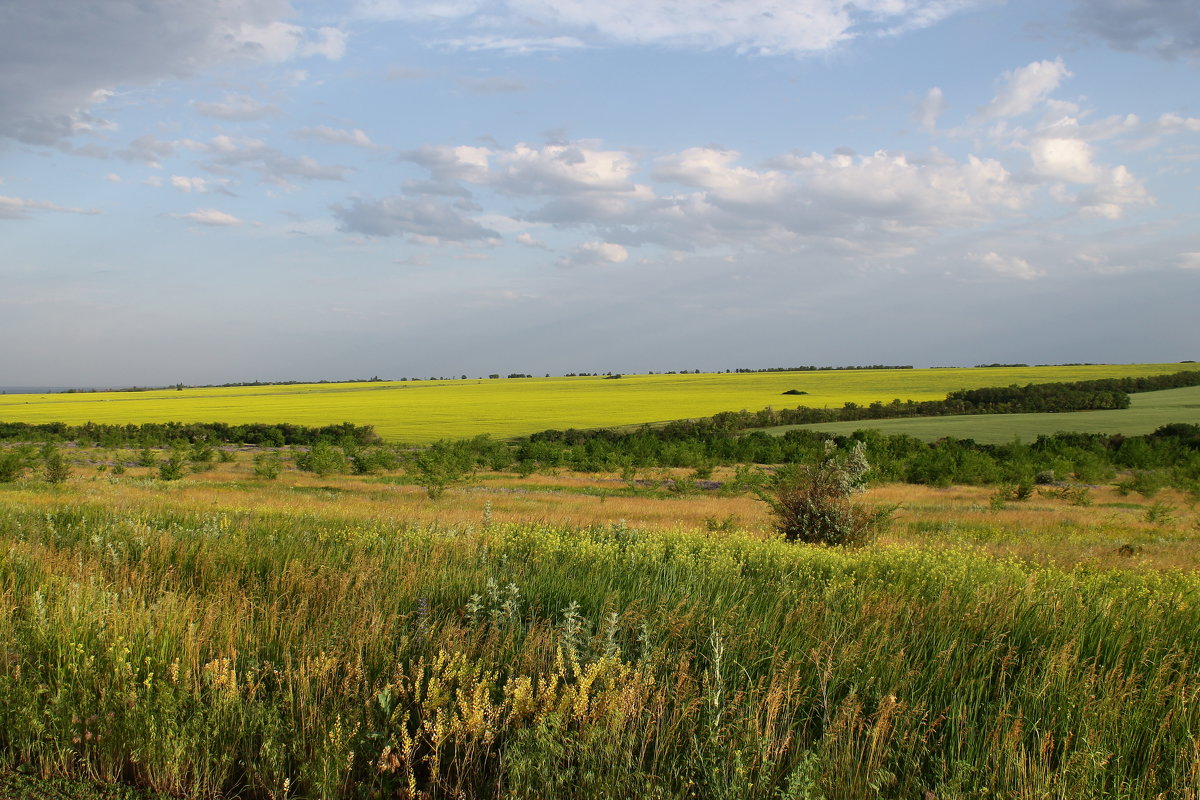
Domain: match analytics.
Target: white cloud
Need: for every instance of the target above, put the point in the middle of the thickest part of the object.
(447, 163)
(930, 109)
(422, 219)
(528, 169)
(283, 41)
(515, 45)
(1021, 90)
(596, 253)
(185, 184)
(713, 170)
(1008, 266)
(1189, 261)
(1109, 197)
(19, 208)
(323, 133)
(528, 240)
(237, 108)
(113, 177)
(210, 217)
(1064, 159)
(226, 154)
(751, 26)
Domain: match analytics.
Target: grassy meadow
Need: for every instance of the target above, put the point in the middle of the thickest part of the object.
(579, 635)
(425, 411)
(1149, 411)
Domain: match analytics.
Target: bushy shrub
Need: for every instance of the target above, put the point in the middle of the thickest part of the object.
(322, 459)
(12, 466)
(55, 468)
(268, 465)
(172, 468)
(811, 502)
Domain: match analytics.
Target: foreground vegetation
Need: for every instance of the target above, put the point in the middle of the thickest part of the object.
(339, 636)
(424, 411)
(605, 613)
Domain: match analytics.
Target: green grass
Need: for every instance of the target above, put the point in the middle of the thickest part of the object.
(1149, 411)
(243, 653)
(424, 411)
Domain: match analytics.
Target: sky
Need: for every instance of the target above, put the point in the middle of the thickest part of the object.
(210, 191)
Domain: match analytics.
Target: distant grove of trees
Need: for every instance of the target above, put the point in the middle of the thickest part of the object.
(160, 434)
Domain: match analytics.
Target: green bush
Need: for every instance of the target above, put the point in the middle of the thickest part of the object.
(12, 466)
(268, 465)
(811, 502)
(322, 459)
(172, 468)
(55, 468)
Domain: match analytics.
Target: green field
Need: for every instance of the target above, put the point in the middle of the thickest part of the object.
(1149, 411)
(424, 411)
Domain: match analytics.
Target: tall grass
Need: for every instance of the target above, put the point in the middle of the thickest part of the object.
(235, 654)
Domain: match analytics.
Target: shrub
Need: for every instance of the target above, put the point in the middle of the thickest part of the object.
(55, 468)
(12, 466)
(172, 468)
(268, 466)
(322, 459)
(811, 502)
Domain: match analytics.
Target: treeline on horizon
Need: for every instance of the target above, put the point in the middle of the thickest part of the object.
(161, 434)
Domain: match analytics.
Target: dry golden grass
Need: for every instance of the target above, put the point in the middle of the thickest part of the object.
(1113, 531)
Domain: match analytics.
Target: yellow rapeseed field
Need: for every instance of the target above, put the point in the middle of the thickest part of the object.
(424, 411)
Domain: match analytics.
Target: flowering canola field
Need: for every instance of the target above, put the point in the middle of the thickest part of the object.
(424, 411)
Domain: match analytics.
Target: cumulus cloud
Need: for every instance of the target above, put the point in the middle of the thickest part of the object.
(447, 163)
(1064, 159)
(591, 253)
(879, 204)
(528, 240)
(185, 184)
(211, 217)
(714, 170)
(1008, 266)
(424, 218)
(1168, 28)
(751, 26)
(61, 59)
(1021, 90)
(237, 108)
(19, 208)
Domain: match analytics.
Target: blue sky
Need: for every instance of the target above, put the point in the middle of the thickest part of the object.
(251, 189)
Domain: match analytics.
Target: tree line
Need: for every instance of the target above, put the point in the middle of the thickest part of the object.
(162, 434)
